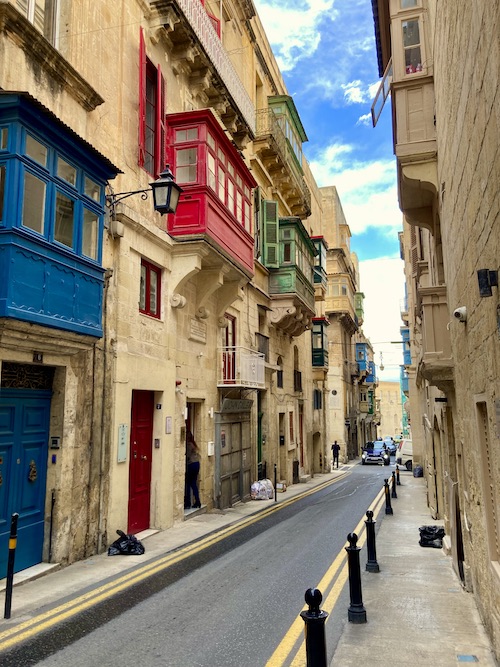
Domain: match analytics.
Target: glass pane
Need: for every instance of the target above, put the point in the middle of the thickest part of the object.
(413, 60)
(222, 184)
(210, 141)
(211, 171)
(411, 34)
(4, 135)
(2, 189)
(66, 171)
(36, 150)
(90, 234)
(186, 135)
(230, 196)
(92, 189)
(142, 290)
(34, 203)
(408, 3)
(64, 223)
(186, 156)
(153, 291)
(186, 165)
(239, 206)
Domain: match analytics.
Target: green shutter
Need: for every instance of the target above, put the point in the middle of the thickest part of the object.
(271, 226)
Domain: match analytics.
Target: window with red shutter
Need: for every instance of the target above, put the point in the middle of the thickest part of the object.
(151, 113)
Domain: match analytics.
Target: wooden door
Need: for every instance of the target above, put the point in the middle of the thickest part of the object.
(141, 448)
(24, 434)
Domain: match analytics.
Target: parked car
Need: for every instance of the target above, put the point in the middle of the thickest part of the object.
(404, 455)
(374, 452)
(389, 443)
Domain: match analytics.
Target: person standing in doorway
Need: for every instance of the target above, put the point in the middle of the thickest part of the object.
(193, 469)
(335, 453)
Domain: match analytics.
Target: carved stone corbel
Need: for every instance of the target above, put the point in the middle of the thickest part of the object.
(177, 300)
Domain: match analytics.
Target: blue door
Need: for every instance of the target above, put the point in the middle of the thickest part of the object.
(24, 433)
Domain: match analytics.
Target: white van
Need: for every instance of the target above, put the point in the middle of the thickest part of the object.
(404, 454)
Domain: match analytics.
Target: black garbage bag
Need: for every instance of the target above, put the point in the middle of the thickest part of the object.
(126, 545)
(431, 536)
(418, 471)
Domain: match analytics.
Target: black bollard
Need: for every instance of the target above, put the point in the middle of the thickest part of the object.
(356, 612)
(397, 476)
(275, 484)
(314, 630)
(393, 490)
(388, 508)
(10, 564)
(371, 563)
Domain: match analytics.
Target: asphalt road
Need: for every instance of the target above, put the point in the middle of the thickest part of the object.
(235, 604)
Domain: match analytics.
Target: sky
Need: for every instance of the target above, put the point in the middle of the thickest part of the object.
(327, 55)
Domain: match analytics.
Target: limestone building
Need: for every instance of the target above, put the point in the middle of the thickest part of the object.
(123, 329)
(440, 63)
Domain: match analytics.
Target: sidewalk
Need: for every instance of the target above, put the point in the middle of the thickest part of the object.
(417, 612)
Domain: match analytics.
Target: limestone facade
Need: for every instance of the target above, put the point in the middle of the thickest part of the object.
(446, 129)
(195, 328)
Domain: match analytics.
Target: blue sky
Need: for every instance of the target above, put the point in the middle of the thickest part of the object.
(326, 52)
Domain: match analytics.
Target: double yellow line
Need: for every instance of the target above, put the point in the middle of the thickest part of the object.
(42, 622)
(333, 583)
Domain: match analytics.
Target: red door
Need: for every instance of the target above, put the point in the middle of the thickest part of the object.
(141, 437)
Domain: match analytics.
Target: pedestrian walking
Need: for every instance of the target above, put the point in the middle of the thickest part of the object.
(193, 469)
(335, 453)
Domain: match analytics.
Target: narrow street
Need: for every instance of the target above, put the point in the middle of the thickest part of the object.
(233, 603)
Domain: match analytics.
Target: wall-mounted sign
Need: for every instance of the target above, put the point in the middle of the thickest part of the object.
(122, 443)
(168, 425)
(236, 405)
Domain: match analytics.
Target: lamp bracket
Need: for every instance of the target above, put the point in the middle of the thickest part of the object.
(114, 198)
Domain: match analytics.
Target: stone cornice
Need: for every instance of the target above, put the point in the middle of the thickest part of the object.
(43, 55)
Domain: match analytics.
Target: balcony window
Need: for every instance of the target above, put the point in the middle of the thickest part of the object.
(65, 220)
(90, 235)
(319, 343)
(33, 211)
(411, 46)
(211, 172)
(2, 189)
(186, 160)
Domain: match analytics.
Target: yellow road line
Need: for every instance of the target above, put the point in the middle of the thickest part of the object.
(339, 566)
(48, 619)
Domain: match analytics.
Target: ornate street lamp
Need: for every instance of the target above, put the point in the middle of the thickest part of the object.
(165, 190)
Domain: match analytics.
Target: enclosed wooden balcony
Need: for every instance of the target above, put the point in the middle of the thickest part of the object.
(436, 364)
(272, 148)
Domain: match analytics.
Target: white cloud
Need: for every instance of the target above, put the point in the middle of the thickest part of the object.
(367, 189)
(365, 119)
(353, 92)
(293, 31)
(382, 282)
